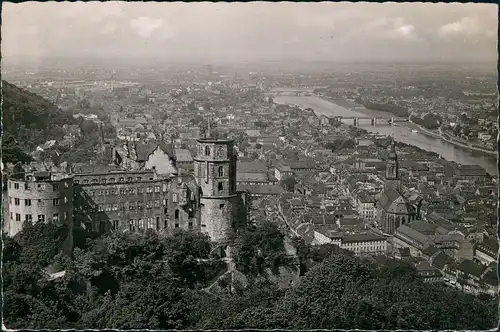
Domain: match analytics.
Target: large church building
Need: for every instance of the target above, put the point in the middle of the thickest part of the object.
(393, 209)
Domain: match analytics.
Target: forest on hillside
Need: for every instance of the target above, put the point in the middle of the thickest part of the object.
(31, 119)
(149, 281)
(28, 121)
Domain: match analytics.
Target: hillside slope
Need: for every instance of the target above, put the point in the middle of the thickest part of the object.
(28, 121)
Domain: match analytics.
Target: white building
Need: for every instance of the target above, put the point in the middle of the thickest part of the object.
(282, 171)
(365, 244)
(486, 252)
(361, 244)
(366, 207)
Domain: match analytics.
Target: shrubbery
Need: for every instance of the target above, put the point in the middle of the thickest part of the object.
(146, 281)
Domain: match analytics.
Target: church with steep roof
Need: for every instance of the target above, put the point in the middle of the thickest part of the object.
(393, 209)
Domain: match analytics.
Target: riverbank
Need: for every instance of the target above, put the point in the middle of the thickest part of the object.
(412, 125)
(462, 145)
(402, 132)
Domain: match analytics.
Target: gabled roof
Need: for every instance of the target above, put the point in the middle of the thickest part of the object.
(251, 167)
(488, 244)
(252, 177)
(471, 170)
(412, 234)
(403, 252)
(183, 155)
(441, 259)
(302, 164)
(144, 150)
(387, 197)
(367, 237)
(424, 227)
(391, 201)
(471, 268)
(491, 277)
(346, 221)
(430, 250)
(426, 267)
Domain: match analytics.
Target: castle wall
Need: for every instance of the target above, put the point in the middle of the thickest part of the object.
(38, 201)
(215, 174)
(217, 217)
(183, 207)
(121, 201)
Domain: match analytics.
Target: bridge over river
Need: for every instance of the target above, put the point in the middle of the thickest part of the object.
(359, 120)
(402, 133)
(293, 91)
(289, 93)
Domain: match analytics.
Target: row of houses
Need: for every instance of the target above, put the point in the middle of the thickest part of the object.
(442, 253)
(362, 244)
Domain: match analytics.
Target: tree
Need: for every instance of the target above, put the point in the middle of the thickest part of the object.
(288, 183)
(334, 123)
(348, 144)
(259, 247)
(30, 119)
(41, 242)
(315, 302)
(152, 281)
(429, 121)
(13, 154)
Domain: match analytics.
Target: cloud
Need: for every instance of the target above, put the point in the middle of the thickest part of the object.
(406, 31)
(249, 31)
(145, 26)
(466, 25)
(389, 28)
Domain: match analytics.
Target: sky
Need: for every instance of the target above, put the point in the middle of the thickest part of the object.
(254, 31)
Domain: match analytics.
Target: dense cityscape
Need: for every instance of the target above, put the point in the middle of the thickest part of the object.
(283, 195)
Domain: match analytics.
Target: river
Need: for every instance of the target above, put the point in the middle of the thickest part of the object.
(403, 134)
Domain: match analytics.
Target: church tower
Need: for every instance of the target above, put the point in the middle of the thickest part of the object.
(392, 180)
(215, 174)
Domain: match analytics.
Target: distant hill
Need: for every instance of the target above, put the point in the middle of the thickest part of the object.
(28, 121)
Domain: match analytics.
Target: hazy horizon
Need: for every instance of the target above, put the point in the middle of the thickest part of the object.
(250, 32)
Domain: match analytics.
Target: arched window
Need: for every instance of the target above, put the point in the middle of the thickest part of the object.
(221, 170)
(207, 151)
(176, 216)
(220, 186)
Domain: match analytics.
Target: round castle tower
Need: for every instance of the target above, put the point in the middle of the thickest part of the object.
(215, 173)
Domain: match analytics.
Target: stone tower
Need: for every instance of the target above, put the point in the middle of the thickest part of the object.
(392, 169)
(215, 173)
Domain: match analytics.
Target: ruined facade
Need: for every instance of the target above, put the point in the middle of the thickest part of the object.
(215, 174)
(143, 191)
(38, 197)
(120, 200)
(106, 199)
